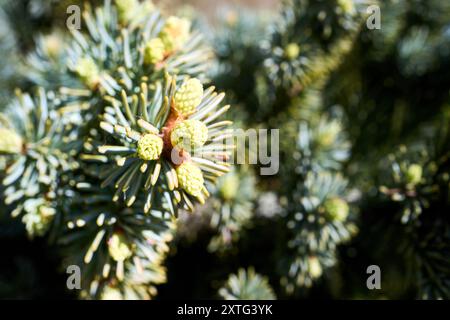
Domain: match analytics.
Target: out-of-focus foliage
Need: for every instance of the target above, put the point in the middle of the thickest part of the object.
(247, 285)
(8, 63)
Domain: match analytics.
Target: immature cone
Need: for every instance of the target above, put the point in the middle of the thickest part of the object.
(154, 51)
(10, 141)
(88, 71)
(336, 209)
(175, 33)
(189, 134)
(190, 178)
(414, 174)
(149, 147)
(118, 247)
(188, 97)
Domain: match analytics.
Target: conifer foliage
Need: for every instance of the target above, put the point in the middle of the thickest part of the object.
(116, 141)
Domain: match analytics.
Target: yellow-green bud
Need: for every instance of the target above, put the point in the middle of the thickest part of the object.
(188, 96)
(175, 33)
(154, 51)
(189, 134)
(110, 293)
(125, 9)
(315, 269)
(414, 174)
(347, 6)
(292, 51)
(53, 45)
(231, 18)
(327, 135)
(190, 178)
(229, 187)
(10, 141)
(336, 209)
(88, 71)
(118, 247)
(39, 216)
(149, 147)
